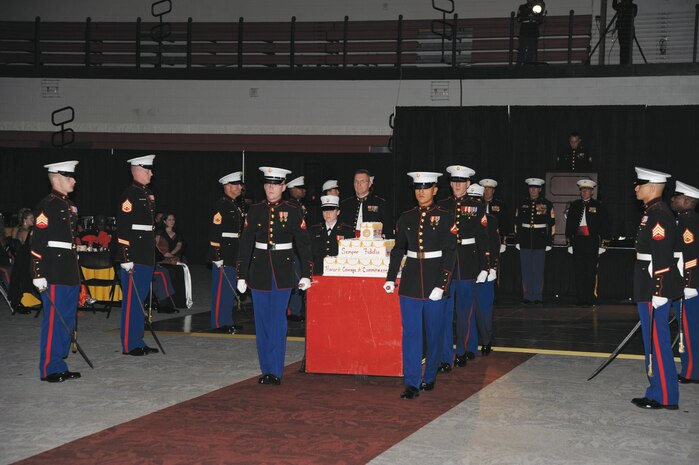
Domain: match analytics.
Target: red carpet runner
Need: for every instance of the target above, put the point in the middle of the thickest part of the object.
(309, 419)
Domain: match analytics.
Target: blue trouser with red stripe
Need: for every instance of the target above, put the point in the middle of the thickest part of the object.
(162, 284)
(270, 328)
(412, 312)
(663, 384)
(690, 331)
(132, 318)
(483, 303)
(222, 296)
(532, 263)
(55, 340)
(461, 298)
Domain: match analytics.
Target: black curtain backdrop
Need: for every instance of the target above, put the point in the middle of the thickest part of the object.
(185, 183)
(510, 144)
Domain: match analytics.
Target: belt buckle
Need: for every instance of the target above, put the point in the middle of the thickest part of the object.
(73, 246)
(271, 246)
(420, 255)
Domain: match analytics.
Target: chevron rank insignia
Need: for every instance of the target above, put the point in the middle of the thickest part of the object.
(658, 232)
(217, 218)
(126, 207)
(42, 221)
(688, 236)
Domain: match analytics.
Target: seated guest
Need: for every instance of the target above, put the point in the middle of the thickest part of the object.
(326, 235)
(5, 257)
(26, 221)
(168, 241)
(168, 254)
(20, 277)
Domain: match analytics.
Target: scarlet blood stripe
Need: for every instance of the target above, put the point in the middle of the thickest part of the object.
(688, 343)
(128, 315)
(218, 294)
(659, 361)
(468, 326)
(49, 337)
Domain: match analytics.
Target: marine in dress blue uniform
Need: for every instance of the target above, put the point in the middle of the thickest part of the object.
(497, 208)
(427, 235)
(657, 282)
(484, 294)
(326, 235)
(576, 157)
(588, 232)
(535, 225)
(684, 202)
(296, 188)
(365, 206)
(471, 264)
(224, 236)
(55, 270)
(272, 229)
(136, 251)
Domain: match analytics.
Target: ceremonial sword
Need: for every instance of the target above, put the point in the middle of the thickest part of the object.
(619, 348)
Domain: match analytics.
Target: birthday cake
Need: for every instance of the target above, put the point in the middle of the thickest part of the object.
(364, 257)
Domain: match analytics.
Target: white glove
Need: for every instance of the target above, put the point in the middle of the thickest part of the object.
(436, 294)
(389, 287)
(601, 250)
(492, 275)
(517, 247)
(40, 284)
(689, 293)
(548, 248)
(570, 249)
(482, 276)
(503, 248)
(242, 287)
(128, 266)
(304, 283)
(218, 263)
(659, 301)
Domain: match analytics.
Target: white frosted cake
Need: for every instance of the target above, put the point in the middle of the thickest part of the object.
(365, 257)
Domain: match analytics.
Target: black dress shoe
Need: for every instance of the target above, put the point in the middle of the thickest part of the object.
(140, 351)
(684, 380)
(538, 302)
(72, 374)
(293, 317)
(460, 361)
(486, 349)
(425, 386)
(444, 367)
(410, 393)
(55, 377)
(470, 355)
(644, 402)
(526, 301)
(269, 379)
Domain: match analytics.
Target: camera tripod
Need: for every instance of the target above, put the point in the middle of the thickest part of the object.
(606, 31)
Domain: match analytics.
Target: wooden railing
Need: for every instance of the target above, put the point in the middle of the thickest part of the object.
(482, 41)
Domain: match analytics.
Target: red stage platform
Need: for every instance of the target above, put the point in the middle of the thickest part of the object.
(353, 327)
